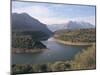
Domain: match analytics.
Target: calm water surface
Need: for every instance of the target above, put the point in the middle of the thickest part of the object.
(55, 52)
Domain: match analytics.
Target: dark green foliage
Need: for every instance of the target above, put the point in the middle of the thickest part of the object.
(22, 42)
(27, 39)
(22, 69)
(49, 67)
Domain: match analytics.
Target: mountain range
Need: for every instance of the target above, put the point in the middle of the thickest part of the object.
(71, 25)
(24, 22)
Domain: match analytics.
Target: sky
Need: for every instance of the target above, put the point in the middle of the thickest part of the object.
(49, 13)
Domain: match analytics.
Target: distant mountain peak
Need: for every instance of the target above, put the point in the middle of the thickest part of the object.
(71, 25)
(79, 25)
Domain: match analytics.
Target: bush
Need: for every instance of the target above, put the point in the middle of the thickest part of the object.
(60, 66)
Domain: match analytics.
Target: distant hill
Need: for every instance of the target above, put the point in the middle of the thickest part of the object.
(79, 25)
(24, 22)
(71, 25)
(80, 35)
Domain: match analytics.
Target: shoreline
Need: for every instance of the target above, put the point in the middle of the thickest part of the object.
(72, 43)
(23, 50)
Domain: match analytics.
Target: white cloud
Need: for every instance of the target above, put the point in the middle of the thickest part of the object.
(43, 14)
(54, 20)
(35, 11)
(47, 16)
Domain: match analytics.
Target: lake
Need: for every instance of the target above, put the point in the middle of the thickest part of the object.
(55, 52)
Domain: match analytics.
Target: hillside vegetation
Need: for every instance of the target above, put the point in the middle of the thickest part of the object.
(27, 41)
(76, 36)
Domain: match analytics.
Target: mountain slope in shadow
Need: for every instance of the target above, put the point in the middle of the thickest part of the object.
(27, 33)
(25, 23)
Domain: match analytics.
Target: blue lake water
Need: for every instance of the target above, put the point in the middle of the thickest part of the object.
(55, 52)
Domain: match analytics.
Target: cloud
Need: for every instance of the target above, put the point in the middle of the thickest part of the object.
(35, 11)
(49, 15)
(55, 20)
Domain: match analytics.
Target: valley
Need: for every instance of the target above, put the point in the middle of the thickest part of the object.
(51, 48)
